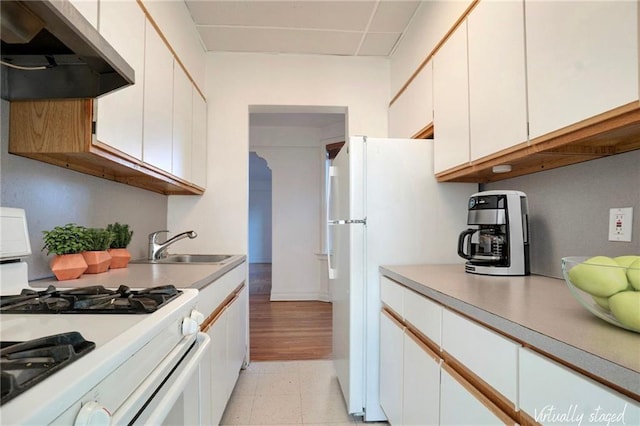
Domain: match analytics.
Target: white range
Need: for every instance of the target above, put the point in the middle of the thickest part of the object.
(143, 369)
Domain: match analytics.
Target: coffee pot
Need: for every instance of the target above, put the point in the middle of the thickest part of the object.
(500, 243)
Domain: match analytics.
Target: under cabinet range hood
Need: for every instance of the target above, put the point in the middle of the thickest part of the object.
(49, 50)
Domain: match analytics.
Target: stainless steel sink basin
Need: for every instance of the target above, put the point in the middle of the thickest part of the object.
(195, 258)
(188, 258)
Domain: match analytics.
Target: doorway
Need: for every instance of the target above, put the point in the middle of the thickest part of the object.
(289, 296)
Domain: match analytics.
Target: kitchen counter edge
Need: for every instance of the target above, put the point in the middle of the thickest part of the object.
(598, 366)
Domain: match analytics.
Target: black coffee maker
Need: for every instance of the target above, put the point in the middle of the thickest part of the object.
(500, 243)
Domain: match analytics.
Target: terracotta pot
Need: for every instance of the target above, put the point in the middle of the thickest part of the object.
(68, 266)
(97, 261)
(119, 258)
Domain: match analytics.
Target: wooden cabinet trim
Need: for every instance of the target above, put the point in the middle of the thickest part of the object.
(425, 133)
(609, 133)
(472, 389)
(393, 317)
(36, 132)
(434, 50)
(217, 312)
(418, 339)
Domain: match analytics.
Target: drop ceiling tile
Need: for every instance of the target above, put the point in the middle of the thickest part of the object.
(234, 39)
(393, 15)
(378, 44)
(337, 15)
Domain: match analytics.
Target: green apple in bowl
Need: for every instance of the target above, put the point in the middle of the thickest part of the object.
(603, 302)
(627, 260)
(633, 274)
(599, 276)
(625, 306)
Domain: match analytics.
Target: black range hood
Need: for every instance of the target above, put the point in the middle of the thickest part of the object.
(49, 50)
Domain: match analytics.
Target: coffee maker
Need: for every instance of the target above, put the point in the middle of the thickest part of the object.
(500, 243)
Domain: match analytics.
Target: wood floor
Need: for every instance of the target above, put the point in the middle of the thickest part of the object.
(283, 331)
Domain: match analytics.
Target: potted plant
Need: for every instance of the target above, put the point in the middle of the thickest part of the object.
(120, 256)
(67, 243)
(96, 255)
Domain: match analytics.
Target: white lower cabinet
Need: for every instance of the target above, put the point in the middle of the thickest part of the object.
(391, 367)
(487, 354)
(462, 404)
(421, 384)
(225, 302)
(550, 392)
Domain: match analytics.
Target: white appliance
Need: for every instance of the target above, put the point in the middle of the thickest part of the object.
(384, 207)
(144, 368)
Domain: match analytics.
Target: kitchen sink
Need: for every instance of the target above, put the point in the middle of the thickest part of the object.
(188, 258)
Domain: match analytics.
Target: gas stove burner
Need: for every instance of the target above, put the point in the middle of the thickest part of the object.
(88, 300)
(24, 364)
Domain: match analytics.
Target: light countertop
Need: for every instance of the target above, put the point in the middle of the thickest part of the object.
(143, 275)
(537, 311)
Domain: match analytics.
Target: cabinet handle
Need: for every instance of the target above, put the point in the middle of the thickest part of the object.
(504, 417)
(389, 314)
(418, 341)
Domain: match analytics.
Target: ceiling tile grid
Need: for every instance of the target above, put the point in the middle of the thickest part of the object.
(322, 27)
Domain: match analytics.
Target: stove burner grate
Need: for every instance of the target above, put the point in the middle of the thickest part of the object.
(89, 300)
(24, 364)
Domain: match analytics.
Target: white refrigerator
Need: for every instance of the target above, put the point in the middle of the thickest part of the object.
(384, 207)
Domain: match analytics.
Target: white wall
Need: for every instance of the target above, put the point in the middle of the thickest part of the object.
(260, 207)
(236, 81)
(52, 196)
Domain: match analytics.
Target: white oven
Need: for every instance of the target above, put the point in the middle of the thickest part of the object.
(128, 368)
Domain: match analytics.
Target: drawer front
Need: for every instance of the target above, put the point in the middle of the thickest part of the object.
(462, 404)
(392, 295)
(421, 388)
(423, 314)
(215, 293)
(492, 357)
(548, 390)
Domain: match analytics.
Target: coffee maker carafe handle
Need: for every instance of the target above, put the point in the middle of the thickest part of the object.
(461, 239)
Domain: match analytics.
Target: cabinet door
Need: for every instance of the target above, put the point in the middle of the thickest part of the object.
(462, 404)
(451, 102)
(592, 67)
(199, 145)
(218, 367)
(391, 369)
(237, 335)
(421, 384)
(88, 9)
(119, 113)
(562, 390)
(182, 124)
(413, 110)
(497, 86)
(464, 340)
(158, 101)
(423, 314)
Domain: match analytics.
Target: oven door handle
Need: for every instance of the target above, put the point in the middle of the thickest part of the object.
(167, 400)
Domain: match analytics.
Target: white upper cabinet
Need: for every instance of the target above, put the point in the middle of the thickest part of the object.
(582, 60)
(413, 110)
(158, 102)
(182, 124)
(119, 113)
(497, 83)
(88, 9)
(451, 102)
(199, 146)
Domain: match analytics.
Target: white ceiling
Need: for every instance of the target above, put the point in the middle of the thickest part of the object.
(321, 27)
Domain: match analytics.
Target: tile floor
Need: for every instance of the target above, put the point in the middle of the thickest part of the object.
(288, 393)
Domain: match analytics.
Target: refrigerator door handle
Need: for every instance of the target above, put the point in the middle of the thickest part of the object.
(333, 171)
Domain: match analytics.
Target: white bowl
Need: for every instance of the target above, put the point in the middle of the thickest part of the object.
(585, 298)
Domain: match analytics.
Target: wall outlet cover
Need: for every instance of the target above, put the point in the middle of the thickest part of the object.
(620, 221)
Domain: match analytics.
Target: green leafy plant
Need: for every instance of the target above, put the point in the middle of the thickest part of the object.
(98, 239)
(121, 235)
(67, 239)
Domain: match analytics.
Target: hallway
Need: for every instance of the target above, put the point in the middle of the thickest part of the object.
(285, 331)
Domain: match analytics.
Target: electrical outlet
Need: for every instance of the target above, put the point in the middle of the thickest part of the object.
(620, 220)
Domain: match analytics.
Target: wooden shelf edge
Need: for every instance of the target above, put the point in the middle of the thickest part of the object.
(614, 132)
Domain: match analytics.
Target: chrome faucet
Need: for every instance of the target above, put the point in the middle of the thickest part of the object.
(156, 249)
